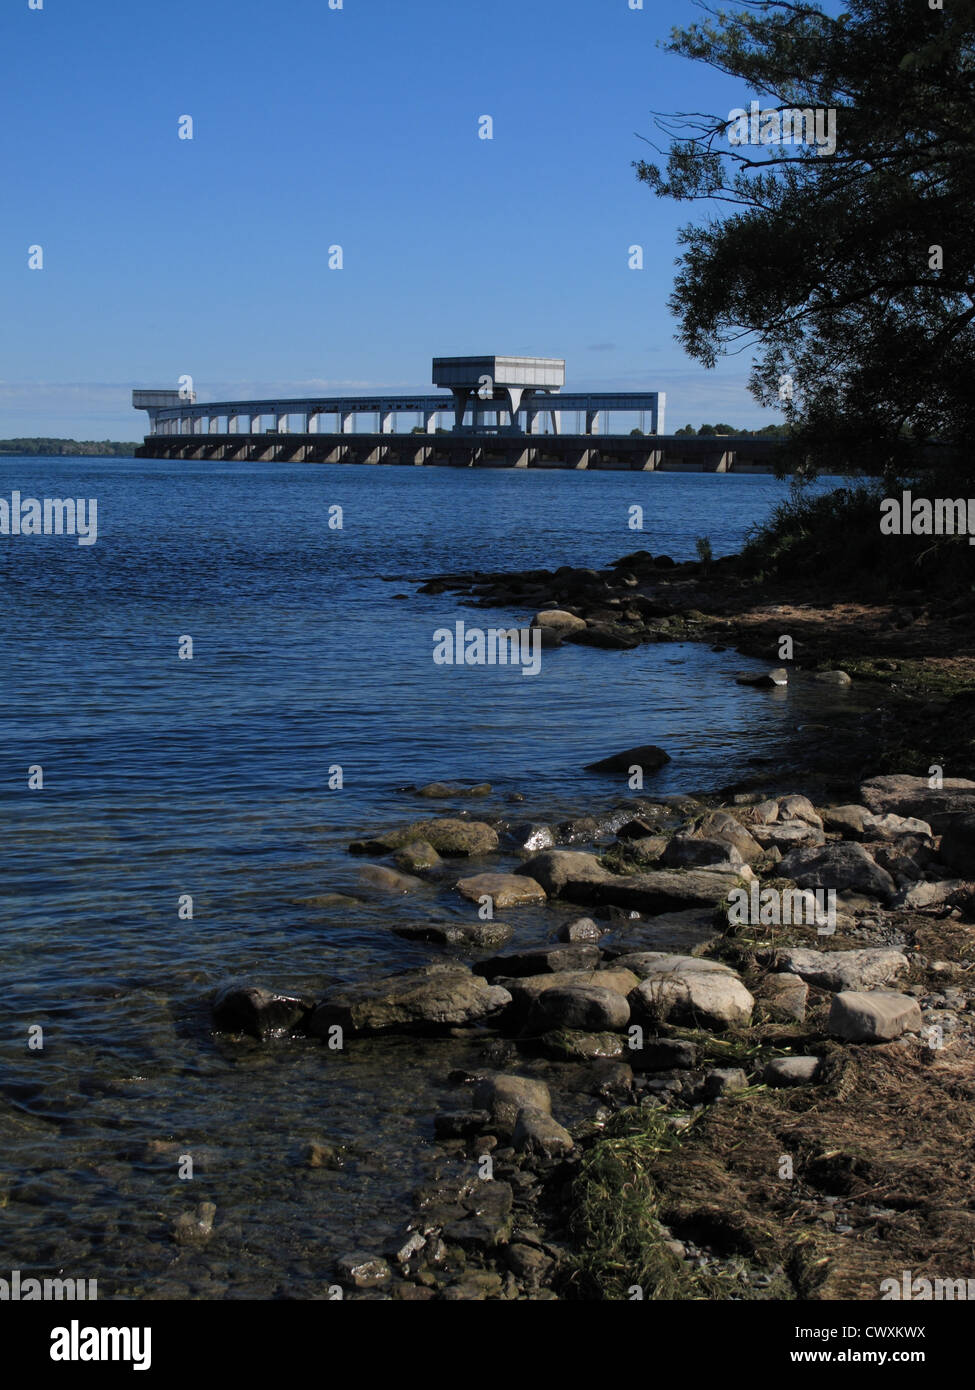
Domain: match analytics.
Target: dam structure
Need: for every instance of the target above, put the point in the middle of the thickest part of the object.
(493, 412)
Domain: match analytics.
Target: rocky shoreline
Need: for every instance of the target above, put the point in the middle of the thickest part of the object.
(910, 651)
(673, 1016)
(738, 1060)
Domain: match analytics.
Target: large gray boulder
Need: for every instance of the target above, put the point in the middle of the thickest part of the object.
(842, 866)
(785, 835)
(694, 851)
(580, 877)
(526, 990)
(796, 807)
(428, 998)
(588, 1008)
(844, 970)
(504, 890)
(847, 820)
(891, 828)
(879, 1016)
(692, 992)
(948, 892)
(564, 872)
(503, 1096)
(913, 796)
(721, 825)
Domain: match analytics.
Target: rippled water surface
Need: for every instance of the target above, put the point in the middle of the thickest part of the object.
(210, 777)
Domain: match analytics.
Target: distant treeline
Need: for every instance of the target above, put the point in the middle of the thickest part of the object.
(768, 432)
(85, 448)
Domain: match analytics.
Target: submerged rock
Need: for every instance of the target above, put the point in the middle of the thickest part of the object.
(431, 997)
(688, 932)
(504, 890)
(766, 679)
(196, 1227)
(261, 1013)
(416, 856)
(481, 935)
(386, 880)
(447, 835)
(442, 791)
(646, 756)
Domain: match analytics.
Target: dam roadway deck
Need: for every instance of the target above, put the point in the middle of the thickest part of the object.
(624, 453)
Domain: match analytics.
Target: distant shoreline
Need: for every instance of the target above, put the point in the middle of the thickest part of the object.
(43, 447)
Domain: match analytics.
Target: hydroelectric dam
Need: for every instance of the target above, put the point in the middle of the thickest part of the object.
(501, 412)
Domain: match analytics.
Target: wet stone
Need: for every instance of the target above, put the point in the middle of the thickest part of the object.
(363, 1271)
(540, 960)
(261, 1013)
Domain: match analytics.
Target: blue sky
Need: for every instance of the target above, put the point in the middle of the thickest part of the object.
(356, 127)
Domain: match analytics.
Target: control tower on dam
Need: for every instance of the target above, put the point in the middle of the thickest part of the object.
(492, 412)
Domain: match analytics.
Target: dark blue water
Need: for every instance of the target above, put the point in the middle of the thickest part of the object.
(209, 777)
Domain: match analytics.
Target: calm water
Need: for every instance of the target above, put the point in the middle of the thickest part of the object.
(209, 777)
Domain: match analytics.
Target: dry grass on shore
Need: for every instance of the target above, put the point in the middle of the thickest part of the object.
(880, 1145)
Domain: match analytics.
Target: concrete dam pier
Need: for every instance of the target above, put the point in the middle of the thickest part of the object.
(620, 452)
(497, 408)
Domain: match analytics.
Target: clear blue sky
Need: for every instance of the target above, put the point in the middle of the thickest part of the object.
(357, 127)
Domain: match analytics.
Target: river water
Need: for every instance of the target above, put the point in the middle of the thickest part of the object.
(209, 777)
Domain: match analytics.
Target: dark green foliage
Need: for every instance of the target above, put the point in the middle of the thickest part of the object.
(824, 265)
